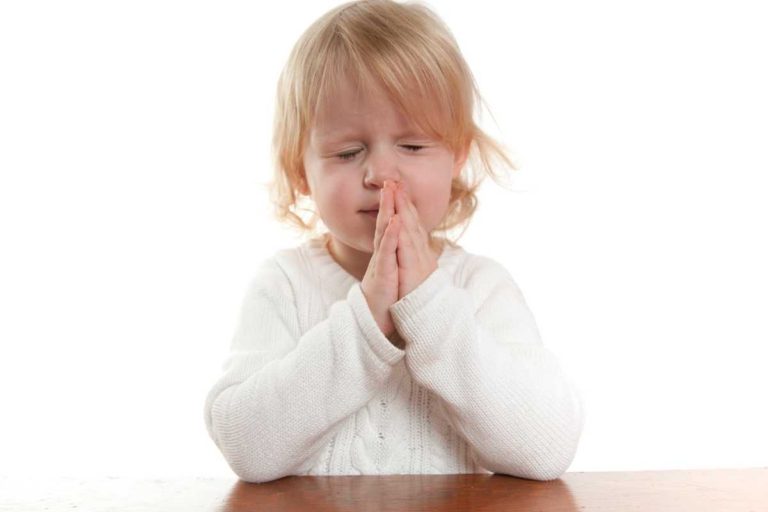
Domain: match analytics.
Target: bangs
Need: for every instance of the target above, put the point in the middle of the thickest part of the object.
(420, 103)
(399, 60)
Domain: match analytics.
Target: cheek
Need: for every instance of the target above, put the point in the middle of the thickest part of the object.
(334, 195)
(432, 203)
(432, 194)
(431, 186)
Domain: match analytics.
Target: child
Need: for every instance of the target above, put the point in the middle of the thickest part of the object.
(380, 347)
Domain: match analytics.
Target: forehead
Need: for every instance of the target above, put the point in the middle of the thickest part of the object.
(346, 111)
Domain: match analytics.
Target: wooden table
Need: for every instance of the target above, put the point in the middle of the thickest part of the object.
(743, 490)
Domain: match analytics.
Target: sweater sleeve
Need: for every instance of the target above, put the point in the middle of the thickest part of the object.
(479, 350)
(282, 394)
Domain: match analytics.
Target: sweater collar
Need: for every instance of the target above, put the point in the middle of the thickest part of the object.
(336, 282)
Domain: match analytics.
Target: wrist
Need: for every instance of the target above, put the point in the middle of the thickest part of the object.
(396, 340)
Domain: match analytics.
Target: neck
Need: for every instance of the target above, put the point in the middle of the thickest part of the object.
(353, 261)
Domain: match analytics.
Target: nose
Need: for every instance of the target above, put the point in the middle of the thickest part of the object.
(380, 166)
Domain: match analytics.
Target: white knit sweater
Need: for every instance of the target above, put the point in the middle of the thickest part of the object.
(313, 387)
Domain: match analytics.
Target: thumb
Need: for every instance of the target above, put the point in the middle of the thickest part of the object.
(389, 246)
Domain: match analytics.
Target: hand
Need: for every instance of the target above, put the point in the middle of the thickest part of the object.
(415, 258)
(380, 282)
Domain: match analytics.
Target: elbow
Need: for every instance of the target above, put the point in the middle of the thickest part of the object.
(542, 471)
(255, 463)
(235, 443)
(553, 461)
(257, 474)
(255, 449)
(544, 463)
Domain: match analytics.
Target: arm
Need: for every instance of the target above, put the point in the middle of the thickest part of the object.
(283, 395)
(479, 350)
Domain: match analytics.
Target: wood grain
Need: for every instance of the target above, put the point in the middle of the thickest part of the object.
(734, 490)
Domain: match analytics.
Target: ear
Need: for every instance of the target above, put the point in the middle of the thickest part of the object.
(460, 158)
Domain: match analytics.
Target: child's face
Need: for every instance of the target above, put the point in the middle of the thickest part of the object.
(377, 141)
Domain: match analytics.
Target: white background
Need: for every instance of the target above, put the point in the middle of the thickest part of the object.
(134, 145)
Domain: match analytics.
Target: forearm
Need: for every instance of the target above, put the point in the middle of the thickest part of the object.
(270, 418)
(504, 391)
(513, 404)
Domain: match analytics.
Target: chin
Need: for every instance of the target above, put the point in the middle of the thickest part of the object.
(361, 243)
(367, 247)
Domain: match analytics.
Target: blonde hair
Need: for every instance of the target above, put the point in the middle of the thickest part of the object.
(409, 51)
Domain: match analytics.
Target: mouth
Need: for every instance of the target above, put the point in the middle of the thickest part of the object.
(372, 213)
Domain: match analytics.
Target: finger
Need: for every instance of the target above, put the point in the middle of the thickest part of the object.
(381, 224)
(410, 217)
(418, 233)
(386, 260)
(390, 204)
(414, 214)
(387, 204)
(413, 237)
(405, 248)
(382, 219)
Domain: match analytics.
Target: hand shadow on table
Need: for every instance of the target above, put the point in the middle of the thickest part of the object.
(401, 493)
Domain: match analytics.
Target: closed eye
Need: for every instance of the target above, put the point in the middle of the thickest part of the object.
(351, 154)
(348, 156)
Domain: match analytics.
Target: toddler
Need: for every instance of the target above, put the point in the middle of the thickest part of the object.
(381, 346)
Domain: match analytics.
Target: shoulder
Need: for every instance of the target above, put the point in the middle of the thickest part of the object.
(289, 270)
(483, 276)
(476, 269)
(274, 275)
(497, 299)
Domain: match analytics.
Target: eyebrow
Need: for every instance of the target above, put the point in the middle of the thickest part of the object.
(348, 134)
